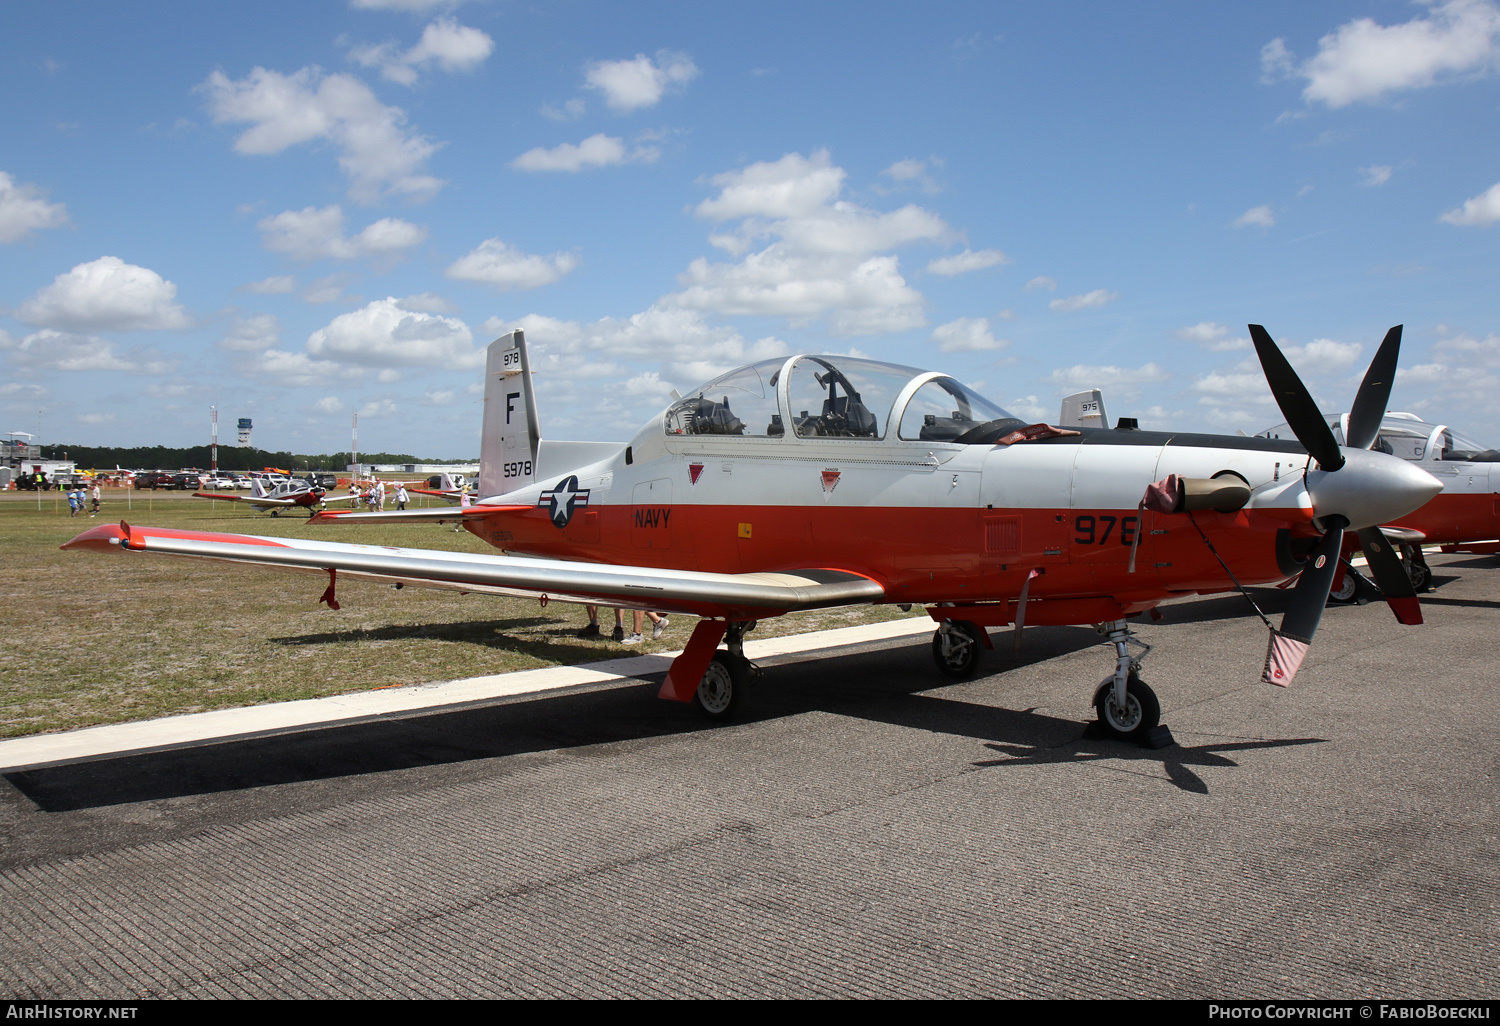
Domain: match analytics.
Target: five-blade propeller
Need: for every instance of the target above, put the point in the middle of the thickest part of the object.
(1311, 428)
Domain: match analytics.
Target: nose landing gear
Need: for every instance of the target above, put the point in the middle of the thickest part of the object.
(1128, 708)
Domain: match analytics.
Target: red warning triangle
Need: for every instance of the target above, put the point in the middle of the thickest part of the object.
(830, 480)
(694, 469)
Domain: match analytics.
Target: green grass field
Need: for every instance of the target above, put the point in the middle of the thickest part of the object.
(94, 638)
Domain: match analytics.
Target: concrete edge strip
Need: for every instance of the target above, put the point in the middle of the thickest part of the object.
(118, 739)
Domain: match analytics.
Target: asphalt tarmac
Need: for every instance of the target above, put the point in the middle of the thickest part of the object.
(867, 829)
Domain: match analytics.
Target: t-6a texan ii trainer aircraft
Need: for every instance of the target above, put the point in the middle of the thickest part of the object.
(820, 481)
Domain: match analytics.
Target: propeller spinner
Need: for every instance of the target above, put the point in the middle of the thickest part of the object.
(1351, 487)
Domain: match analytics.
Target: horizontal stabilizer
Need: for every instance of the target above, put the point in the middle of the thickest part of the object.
(436, 515)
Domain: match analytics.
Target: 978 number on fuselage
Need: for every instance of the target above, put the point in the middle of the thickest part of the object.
(1096, 529)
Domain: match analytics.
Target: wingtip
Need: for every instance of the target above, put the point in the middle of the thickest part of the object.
(97, 539)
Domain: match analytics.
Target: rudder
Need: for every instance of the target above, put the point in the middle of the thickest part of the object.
(508, 446)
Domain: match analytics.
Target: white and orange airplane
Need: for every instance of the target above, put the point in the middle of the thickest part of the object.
(448, 486)
(819, 481)
(289, 494)
(1464, 518)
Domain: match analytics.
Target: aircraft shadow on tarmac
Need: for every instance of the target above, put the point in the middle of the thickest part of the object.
(539, 636)
(881, 685)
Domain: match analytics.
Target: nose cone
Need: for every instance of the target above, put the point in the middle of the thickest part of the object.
(1371, 488)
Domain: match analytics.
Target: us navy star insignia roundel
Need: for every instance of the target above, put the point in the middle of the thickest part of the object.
(563, 500)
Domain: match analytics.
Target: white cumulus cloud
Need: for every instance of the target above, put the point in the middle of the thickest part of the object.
(1098, 297)
(597, 150)
(106, 295)
(963, 263)
(313, 234)
(252, 334)
(1362, 60)
(67, 351)
(507, 269)
(1482, 210)
(826, 256)
(631, 84)
(444, 42)
(967, 335)
(1260, 217)
(377, 152)
(1212, 337)
(1376, 174)
(382, 334)
(1124, 381)
(276, 285)
(1039, 283)
(24, 209)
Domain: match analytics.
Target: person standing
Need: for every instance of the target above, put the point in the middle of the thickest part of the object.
(401, 495)
(94, 497)
(380, 494)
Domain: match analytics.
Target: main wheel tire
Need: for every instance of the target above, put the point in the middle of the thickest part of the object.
(1421, 576)
(1346, 591)
(958, 655)
(1142, 711)
(718, 694)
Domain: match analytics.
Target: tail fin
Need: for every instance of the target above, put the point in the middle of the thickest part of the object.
(1083, 409)
(508, 447)
(258, 487)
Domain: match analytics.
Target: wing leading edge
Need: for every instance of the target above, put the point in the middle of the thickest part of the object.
(737, 596)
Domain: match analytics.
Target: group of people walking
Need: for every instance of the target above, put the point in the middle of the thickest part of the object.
(77, 497)
(373, 494)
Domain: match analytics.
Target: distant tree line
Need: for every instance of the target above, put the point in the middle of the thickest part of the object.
(231, 457)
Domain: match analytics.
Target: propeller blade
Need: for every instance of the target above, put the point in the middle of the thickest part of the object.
(1374, 393)
(1390, 575)
(1297, 405)
(1289, 645)
(1311, 594)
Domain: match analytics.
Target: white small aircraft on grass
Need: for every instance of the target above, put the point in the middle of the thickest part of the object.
(286, 495)
(819, 481)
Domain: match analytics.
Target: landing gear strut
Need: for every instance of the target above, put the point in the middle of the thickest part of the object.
(727, 676)
(1128, 709)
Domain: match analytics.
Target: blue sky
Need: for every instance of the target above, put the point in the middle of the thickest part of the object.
(295, 212)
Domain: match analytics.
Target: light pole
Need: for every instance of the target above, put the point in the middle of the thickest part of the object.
(213, 451)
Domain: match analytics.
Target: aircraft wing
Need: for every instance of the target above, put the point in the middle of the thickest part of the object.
(737, 596)
(253, 500)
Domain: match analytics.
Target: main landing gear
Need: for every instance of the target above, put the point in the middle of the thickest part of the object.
(956, 648)
(727, 676)
(1128, 709)
(1417, 568)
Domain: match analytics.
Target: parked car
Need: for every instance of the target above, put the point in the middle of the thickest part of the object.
(187, 480)
(154, 479)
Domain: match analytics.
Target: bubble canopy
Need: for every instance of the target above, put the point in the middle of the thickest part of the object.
(1408, 437)
(832, 397)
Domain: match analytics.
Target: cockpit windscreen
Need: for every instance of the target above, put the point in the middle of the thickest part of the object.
(942, 410)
